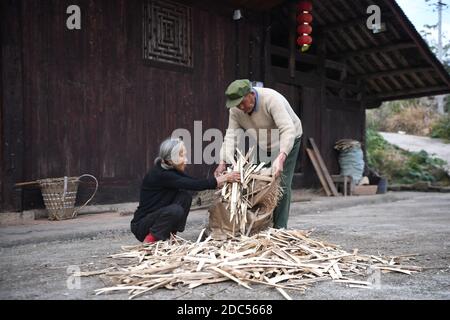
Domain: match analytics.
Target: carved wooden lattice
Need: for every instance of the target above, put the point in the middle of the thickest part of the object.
(168, 32)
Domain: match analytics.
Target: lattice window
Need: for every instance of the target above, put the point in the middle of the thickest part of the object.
(168, 32)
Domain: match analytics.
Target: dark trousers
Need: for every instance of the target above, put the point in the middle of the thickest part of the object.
(281, 212)
(166, 220)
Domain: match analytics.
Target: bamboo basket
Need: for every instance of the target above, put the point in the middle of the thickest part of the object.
(245, 207)
(59, 196)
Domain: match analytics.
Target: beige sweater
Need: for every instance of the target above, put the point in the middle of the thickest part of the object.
(272, 112)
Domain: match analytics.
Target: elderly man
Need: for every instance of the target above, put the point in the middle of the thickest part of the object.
(256, 109)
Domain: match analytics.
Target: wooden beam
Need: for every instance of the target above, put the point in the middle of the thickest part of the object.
(254, 5)
(307, 58)
(341, 84)
(427, 90)
(418, 40)
(300, 79)
(359, 21)
(385, 48)
(334, 102)
(394, 72)
(371, 104)
(283, 52)
(335, 65)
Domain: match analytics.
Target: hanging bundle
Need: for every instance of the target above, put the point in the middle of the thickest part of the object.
(304, 20)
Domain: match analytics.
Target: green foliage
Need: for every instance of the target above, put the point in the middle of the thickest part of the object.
(442, 129)
(400, 166)
(414, 116)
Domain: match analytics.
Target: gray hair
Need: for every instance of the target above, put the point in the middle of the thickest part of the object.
(169, 150)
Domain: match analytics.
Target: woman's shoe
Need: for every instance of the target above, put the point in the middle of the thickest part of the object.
(150, 239)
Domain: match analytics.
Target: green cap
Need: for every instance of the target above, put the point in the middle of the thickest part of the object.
(236, 92)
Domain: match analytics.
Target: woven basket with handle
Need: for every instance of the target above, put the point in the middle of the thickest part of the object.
(60, 194)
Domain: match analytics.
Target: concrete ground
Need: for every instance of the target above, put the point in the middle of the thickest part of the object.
(34, 258)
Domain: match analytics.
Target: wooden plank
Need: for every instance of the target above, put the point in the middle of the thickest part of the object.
(393, 72)
(324, 168)
(375, 49)
(313, 159)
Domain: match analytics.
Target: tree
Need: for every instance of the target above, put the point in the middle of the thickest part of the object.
(432, 43)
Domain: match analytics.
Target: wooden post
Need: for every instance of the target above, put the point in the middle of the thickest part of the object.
(12, 109)
(292, 35)
(267, 66)
(322, 109)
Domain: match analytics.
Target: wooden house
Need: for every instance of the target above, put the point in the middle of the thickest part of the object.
(99, 99)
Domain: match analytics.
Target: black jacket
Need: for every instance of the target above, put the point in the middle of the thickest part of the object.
(160, 187)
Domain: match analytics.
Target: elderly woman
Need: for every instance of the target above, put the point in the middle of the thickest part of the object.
(164, 205)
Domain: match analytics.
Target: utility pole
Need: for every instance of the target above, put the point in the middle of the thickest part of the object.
(440, 5)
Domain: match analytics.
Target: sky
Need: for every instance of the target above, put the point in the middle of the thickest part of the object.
(420, 13)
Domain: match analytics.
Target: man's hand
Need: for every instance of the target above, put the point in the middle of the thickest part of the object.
(220, 168)
(278, 164)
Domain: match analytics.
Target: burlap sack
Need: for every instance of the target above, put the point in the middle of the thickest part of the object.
(259, 216)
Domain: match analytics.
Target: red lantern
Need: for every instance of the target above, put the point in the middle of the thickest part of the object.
(305, 6)
(304, 28)
(304, 18)
(304, 40)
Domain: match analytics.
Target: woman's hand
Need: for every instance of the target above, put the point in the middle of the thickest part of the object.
(220, 168)
(228, 177)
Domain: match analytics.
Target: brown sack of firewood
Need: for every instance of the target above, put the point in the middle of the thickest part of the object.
(259, 214)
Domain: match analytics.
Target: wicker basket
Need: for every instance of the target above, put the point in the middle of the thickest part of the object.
(60, 194)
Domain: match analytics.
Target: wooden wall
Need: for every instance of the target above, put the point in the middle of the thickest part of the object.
(92, 105)
(11, 102)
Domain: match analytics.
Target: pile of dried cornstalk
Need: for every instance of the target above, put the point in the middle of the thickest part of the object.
(283, 259)
(251, 200)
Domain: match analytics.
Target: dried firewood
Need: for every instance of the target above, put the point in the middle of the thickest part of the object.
(282, 259)
(260, 177)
